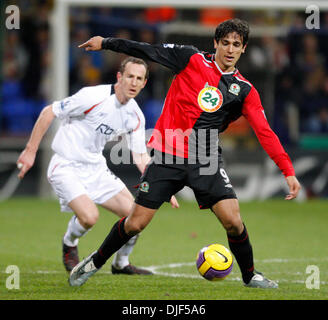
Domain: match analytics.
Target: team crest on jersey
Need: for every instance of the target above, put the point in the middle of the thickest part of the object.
(234, 89)
(144, 186)
(64, 103)
(210, 98)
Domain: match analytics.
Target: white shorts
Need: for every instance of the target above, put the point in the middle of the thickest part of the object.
(71, 179)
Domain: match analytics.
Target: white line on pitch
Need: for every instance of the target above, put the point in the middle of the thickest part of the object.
(155, 270)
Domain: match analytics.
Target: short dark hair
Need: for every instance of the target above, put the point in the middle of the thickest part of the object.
(232, 25)
(134, 60)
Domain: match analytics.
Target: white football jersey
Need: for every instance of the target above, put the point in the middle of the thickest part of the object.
(92, 117)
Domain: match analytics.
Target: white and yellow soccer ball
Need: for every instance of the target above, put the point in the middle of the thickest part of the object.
(214, 262)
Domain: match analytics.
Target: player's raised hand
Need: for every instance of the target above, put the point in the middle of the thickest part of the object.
(93, 44)
(294, 187)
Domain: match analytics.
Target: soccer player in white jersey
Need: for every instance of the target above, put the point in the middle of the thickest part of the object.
(78, 171)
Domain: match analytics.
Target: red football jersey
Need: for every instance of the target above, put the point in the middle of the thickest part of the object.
(201, 102)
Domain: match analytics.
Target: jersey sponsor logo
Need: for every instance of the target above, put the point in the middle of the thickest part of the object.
(234, 89)
(210, 98)
(144, 186)
(105, 129)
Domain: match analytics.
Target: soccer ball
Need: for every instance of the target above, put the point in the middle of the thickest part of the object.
(214, 262)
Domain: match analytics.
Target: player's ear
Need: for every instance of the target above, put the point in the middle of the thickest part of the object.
(244, 48)
(215, 44)
(118, 75)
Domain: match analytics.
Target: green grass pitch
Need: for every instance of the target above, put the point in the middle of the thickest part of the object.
(287, 237)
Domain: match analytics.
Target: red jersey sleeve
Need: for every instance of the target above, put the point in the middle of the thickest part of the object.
(254, 113)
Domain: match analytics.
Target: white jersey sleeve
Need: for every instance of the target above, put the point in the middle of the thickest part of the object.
(78, 103)
(136, 139)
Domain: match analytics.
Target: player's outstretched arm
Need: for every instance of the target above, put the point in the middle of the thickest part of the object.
(174, 57)
(294, 187)
(27, 157)
(93, 44)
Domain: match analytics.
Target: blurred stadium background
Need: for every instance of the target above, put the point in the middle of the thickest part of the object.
(287, 62)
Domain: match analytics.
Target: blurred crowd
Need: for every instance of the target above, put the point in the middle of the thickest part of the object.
(302, 79)
(289, 66)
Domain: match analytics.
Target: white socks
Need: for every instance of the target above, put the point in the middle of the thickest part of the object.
(121, 258)
(74, 232)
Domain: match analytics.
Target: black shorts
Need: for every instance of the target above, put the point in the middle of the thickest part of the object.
(161, 181)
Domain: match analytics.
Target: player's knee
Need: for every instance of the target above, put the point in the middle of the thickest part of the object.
(233, 225)
(134, 227)
(88, 221)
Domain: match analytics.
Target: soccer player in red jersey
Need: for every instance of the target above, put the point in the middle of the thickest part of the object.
(206, 95)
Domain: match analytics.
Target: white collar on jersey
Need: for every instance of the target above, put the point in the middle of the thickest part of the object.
(232, 72)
